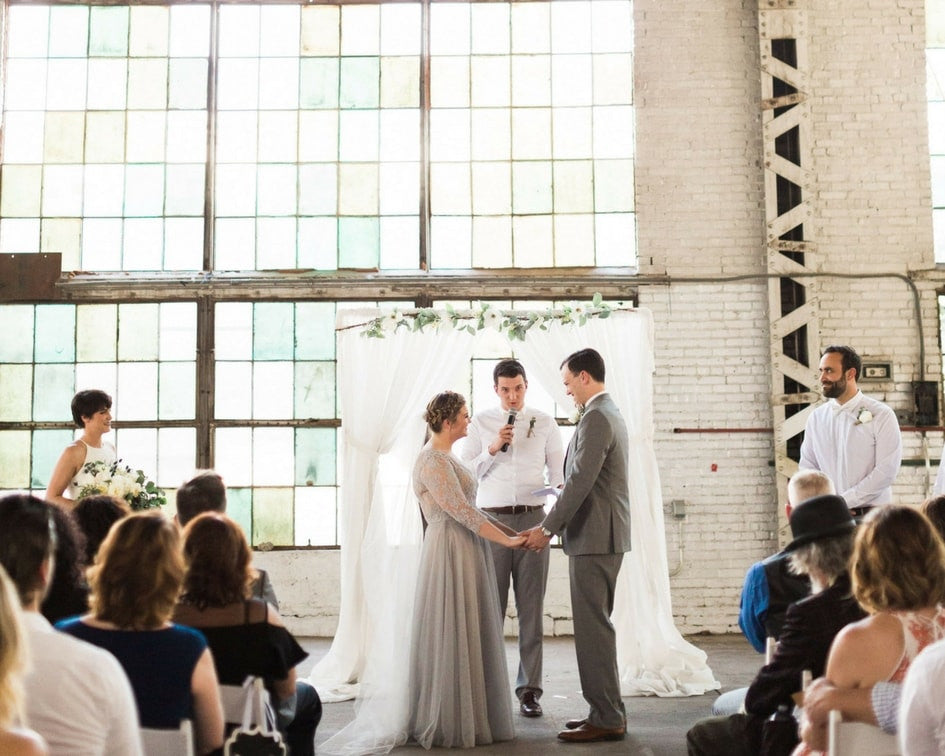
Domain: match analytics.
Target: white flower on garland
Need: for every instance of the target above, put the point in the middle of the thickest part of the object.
(863, 417)
(391, 320)
(492, 319)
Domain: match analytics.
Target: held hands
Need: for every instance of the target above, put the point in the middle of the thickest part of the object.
(517, 541)
(535, 539)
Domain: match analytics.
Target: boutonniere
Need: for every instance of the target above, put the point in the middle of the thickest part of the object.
(577, 414)
(531, 427)
(863, 417)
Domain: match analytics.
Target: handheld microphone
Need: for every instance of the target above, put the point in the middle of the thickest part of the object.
(512, 413)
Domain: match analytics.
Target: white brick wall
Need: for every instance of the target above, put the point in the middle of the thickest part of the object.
(700, 205)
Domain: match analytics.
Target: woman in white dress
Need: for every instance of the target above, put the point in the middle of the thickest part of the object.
(91, 411)
(459, 683)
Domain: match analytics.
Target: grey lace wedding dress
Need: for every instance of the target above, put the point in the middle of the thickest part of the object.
(459, 684)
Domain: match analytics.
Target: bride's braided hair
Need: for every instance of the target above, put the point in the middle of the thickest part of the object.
(444, 406)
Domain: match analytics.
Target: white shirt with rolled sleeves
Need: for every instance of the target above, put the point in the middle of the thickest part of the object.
(859, 452)
(509, 477)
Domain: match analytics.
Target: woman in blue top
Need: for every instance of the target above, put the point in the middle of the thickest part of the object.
(135, 583)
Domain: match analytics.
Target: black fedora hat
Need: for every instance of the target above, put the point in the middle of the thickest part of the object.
(817, 518)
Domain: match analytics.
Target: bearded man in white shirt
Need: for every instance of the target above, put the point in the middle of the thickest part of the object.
(510, 459)
(852, 438)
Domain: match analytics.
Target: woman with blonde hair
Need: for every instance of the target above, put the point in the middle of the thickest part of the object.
(898, 575)
(135, 584)
(14, 740)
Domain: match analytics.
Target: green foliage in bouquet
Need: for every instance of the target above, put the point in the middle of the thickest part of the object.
(123, 483)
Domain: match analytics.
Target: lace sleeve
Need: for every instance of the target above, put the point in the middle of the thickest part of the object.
(446, 489)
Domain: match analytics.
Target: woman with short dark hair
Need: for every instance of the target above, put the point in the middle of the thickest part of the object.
(91, 411)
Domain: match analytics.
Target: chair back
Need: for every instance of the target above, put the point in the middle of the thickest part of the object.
(858, 739)
(233, 698)
(178, 742)
(770, 645)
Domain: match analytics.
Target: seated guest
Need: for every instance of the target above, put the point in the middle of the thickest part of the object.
(14, 739)
(877, 704)
(823, 540)
(95, 516)
(923, 717)
(898, 573)
(135, 582)
(206, 492)
(77, 696)
(770, 585)
(246, 635)
(68, 593)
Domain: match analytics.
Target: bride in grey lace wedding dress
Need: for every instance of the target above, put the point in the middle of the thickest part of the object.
(459, 686)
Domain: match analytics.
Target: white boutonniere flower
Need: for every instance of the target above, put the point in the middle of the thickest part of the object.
(575, 416)
(863, 417)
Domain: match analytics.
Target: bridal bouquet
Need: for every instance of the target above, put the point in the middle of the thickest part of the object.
(121, 482)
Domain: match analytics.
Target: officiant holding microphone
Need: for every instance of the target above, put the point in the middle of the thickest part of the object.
(511, 449)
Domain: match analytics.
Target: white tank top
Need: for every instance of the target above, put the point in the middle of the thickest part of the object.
(105, 453)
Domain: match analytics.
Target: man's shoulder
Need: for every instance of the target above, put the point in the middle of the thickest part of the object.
(875, 405)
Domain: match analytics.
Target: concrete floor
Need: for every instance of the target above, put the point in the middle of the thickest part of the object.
(655, 726)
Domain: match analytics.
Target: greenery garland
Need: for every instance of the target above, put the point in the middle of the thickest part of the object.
(513, 323)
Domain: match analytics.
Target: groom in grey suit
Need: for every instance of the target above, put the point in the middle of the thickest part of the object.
(593, 516)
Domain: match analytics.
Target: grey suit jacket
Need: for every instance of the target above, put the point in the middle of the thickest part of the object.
(593, 511)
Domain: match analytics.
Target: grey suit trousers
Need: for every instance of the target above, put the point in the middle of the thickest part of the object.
(528, 573)
(593, 584)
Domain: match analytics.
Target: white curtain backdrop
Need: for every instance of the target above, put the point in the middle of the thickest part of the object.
(384, 384)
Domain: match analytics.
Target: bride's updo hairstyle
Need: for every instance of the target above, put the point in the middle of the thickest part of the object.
(444, 406)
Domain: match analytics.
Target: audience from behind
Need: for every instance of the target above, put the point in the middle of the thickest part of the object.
(934, 509)
(898, 574)
(95, 516)
(14, 740)
(823, 531)
(206, 492)
(246, 635)
(136, 581)
(77, 696)
(68, 593)
(770, 585)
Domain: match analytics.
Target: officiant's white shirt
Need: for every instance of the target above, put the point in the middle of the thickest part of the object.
(509, 477)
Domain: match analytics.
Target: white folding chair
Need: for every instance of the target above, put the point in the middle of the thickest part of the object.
(178, 742)
(770, 645)
(233, 698)
(858, 739)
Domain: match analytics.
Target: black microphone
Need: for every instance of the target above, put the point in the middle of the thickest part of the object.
(512, 413)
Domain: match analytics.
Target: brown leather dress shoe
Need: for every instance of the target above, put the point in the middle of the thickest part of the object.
(573, 724)
(587, 733)
(529, 705)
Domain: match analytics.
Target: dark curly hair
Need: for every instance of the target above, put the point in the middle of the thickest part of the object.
(218, 559)
(442, 407)
(87, 403)
(68, 591)
(95, 516)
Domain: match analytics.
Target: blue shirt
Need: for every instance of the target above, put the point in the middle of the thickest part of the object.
(159, 664)
(754, 606)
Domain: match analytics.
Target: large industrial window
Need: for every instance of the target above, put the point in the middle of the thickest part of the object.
(145, 142)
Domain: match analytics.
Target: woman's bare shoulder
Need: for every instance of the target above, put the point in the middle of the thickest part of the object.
(19, 742)
(865, 651)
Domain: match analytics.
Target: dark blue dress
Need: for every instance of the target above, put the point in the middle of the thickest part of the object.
(159, 663)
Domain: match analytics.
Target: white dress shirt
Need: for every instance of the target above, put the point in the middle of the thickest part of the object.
(922, 716)
(78, 696)
(859, 452)
(509, 477)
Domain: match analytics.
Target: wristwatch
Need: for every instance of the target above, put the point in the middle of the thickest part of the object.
(545, 532)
